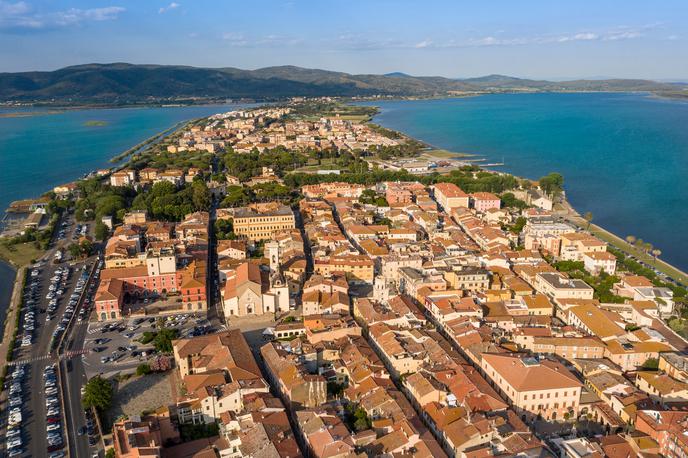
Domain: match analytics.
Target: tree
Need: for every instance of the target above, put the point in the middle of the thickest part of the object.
(110, 453)
(361, 420)
(552, 184)
(236, 195)
(86, 248)
(676, 325)
(588, 218)
(163, 340)
(102, 231)
(201, 195)
(656, 253)
(510, 201)
(97, 393)
(651, 364)
(518, 225)
(630, 239)
(74, 250)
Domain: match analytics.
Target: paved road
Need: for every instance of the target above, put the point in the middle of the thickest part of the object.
(74, 377)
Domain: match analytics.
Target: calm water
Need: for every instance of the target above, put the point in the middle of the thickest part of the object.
(44, 150)
(624, 156)
(39, 152)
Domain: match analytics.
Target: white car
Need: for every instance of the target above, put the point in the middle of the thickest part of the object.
(14, 443)
(53, 427)
(53, 411)
(15, 419)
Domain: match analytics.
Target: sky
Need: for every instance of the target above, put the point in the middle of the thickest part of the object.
(549, 39)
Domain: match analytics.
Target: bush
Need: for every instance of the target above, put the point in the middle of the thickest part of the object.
(147, 337)
(143, 369)
(161, 363)
(194, 432)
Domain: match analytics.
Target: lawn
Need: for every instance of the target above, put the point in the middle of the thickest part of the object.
(20, 254)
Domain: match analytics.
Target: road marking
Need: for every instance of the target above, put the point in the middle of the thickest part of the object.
(67, 355)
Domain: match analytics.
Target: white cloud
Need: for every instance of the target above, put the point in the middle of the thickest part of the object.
(619, 33)
(241, 40)
(423, 44)
(20, 16)
(235, 39)
(171, 6)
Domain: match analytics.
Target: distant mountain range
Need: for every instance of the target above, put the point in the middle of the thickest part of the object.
(121, 83)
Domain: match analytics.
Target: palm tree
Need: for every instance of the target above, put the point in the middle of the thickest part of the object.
(656, 253)
(647, 247)
(639, 244)
(588, 218)
(630, 239)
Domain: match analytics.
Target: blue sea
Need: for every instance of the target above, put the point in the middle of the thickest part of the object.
(43, 150)
(624, 157)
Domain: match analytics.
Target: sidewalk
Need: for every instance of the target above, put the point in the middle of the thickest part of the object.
(10, 320)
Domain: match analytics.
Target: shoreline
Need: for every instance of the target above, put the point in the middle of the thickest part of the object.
(575, 218)
(570, 213)
(58, 108)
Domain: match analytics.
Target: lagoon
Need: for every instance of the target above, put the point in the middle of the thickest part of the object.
(624, 157)
(41, 148)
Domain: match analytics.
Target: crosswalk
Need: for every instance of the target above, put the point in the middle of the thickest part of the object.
(93, 330)
(67, 355)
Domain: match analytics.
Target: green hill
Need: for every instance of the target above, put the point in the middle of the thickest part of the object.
(121, 83)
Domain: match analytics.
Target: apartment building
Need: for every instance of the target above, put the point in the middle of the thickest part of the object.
(262, 221)
(450, 196)
(557, 286)
(534, 387)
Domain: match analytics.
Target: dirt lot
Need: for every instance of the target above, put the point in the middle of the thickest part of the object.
(137, 394)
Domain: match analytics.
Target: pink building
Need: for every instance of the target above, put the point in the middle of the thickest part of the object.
(483, 201)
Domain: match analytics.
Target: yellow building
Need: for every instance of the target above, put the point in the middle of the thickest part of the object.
(262, 221)
(357, 268)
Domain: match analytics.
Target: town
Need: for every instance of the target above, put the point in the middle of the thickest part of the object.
(293, 281)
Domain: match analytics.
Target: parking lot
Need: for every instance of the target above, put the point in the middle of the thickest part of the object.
(115, 347)
(35, 421)
(51, 299)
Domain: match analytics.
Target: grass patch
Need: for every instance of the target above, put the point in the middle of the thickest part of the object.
(147, 337)
(20, 254)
